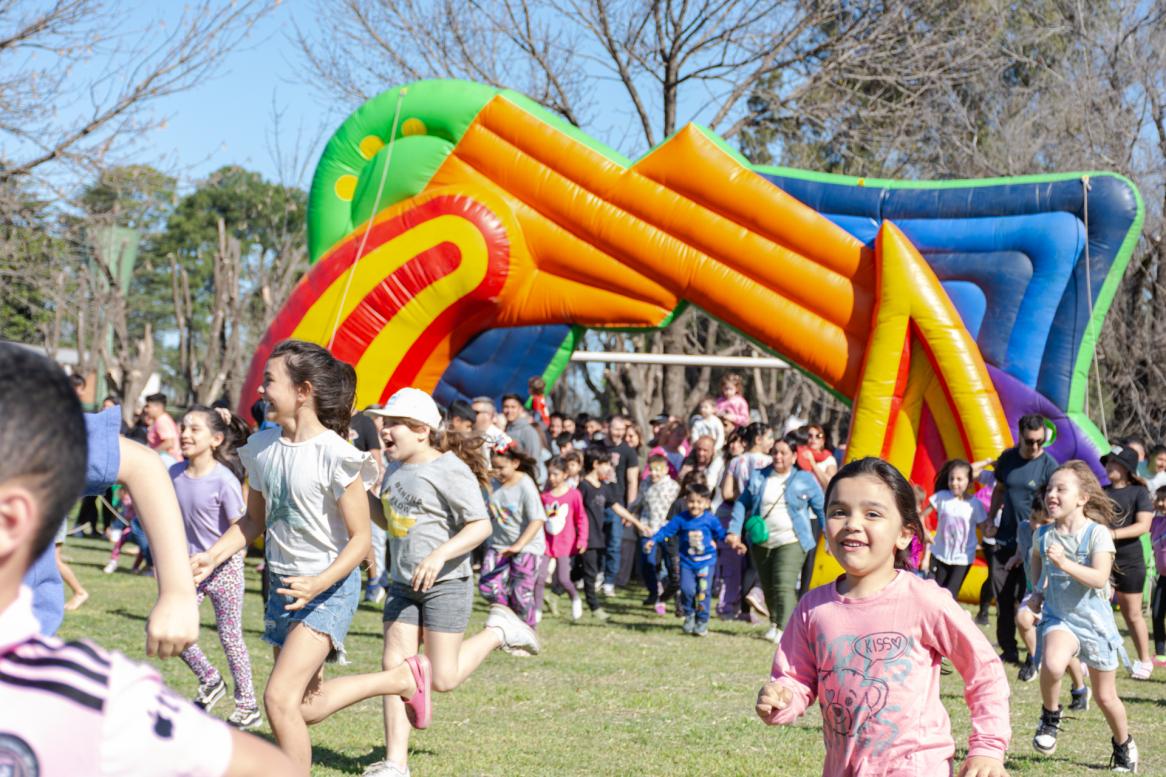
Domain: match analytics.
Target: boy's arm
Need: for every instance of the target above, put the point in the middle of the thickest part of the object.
(173, 623)
(667, 530)
(715, 527)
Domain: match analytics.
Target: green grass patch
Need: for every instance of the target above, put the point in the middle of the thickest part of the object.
(634, 696)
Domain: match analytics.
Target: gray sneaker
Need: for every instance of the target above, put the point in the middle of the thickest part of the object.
(209, 693)
(516, 635)
(244, 719)
(702, 629)
(689, 624)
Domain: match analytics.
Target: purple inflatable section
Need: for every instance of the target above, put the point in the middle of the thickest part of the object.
(1071, 443)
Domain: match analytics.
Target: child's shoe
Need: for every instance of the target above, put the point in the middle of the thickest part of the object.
(1125, 756)
(689, 624)
(1027, 671)
(1080, 701)
(244, 719)
(209, 693)
(661, 608)
(702, 629)
(1160, 660)
(515, 634)
(1141, 670)
(608, 589)
(773, 635)
(111, 567)
(1045, 739)
(576, 608)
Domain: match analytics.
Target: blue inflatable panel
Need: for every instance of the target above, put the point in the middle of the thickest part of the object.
(1002, 226)
(500, 361)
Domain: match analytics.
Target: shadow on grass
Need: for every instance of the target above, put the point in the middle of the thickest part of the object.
(326, 756)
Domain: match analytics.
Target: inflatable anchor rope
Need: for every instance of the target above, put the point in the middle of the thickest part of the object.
(375, 209)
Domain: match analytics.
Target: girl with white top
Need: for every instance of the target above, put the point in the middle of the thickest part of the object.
(435, 516)
(959, 513)
(308, 492)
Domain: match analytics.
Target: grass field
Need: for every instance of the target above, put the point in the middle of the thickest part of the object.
(634, 696)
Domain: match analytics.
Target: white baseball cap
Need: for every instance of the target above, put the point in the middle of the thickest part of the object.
(413, 404)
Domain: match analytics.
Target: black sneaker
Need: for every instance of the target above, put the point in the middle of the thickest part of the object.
(1080, 701)
(1027, 672)
(1010, 657)
(982, 618)
(1125, 756)
(1045, 739)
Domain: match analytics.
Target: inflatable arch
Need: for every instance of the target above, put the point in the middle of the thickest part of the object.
(463, 238)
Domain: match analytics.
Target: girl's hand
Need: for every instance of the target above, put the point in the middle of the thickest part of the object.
(172, 626)
(301, 589)
(1035, 602)
(201, 566)
(648, 546)
(772, 697)
(581, 548)
(425, 573)
(983, 766)
(1056, 554)
(734, 542)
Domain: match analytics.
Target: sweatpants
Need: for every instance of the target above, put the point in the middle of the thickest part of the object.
(510, 582)
(695, 585)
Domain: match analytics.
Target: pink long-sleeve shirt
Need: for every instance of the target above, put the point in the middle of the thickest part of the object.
(736, 408)
(874, 664)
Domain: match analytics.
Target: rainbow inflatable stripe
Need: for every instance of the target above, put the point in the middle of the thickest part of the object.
(943, 311)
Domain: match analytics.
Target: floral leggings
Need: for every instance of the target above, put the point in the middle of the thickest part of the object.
(511, 582)
(224, 586)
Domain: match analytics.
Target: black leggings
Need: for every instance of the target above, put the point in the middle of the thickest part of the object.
(949, 576)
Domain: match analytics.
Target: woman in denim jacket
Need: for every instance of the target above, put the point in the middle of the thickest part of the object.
(784, 497)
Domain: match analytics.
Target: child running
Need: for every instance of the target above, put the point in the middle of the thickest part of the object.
(959, 513)
(566, 530)
(435, 516)
(308, 491)
(870, 645)
(1074, 558)
(699, 531)
(1158, 602)
(516, 546)
(1027, 618)
(208, 485)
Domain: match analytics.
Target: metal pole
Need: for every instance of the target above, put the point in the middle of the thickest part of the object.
(683, 359)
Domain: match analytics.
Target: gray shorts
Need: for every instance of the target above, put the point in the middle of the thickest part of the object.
(445, 607)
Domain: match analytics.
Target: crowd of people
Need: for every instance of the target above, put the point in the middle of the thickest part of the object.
(546, 514)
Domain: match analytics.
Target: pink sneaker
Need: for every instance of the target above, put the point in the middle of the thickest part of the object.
(661, 608)
(419, 706)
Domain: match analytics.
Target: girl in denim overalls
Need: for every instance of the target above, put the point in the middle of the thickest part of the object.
(1072, 560)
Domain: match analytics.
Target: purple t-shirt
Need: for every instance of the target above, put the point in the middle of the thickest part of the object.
(210, 504)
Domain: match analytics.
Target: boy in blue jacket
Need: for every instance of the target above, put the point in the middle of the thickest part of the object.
(698, 531)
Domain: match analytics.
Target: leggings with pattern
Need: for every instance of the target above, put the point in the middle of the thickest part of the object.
(511, 582)
(224, 586)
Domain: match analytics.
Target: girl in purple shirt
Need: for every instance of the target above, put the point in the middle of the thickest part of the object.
(208, 486)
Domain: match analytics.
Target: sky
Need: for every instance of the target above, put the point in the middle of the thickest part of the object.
(229, 119)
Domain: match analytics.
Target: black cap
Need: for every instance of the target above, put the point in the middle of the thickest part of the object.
(460, 408)
(1127, 457)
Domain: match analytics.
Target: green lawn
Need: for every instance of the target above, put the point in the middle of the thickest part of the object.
(635, 696)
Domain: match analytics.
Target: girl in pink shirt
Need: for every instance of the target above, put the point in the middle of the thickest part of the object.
(869, 647)
(732, 402)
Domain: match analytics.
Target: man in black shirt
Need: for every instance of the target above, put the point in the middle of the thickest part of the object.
(625, 461)
(1021, 473)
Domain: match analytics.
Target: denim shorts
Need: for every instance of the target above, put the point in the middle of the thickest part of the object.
(445, 607)
(330, 613)
(1093, 649)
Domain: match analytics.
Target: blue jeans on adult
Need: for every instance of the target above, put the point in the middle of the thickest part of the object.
(613, 535)
(694, 590)
(648, 563)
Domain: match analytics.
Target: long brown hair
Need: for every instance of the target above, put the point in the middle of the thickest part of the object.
(1098, 508)
(234, 431)
(466, 446)
(333, 381)
(904, 496)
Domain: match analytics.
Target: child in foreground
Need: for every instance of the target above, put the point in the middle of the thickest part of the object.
(699, 531)
(869, 646)
(1074, 558)
(74, 708)
(308, 494)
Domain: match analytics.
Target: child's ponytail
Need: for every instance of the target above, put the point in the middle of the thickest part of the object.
(467, 447)
(526, 464)
(234, 431)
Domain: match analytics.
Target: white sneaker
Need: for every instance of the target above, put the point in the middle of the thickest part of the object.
(773, 635)
(110, 568)
(608, 589)
(1141, 670)
(385, 769)
(538, 617)
(576, 608)
(516, 635)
